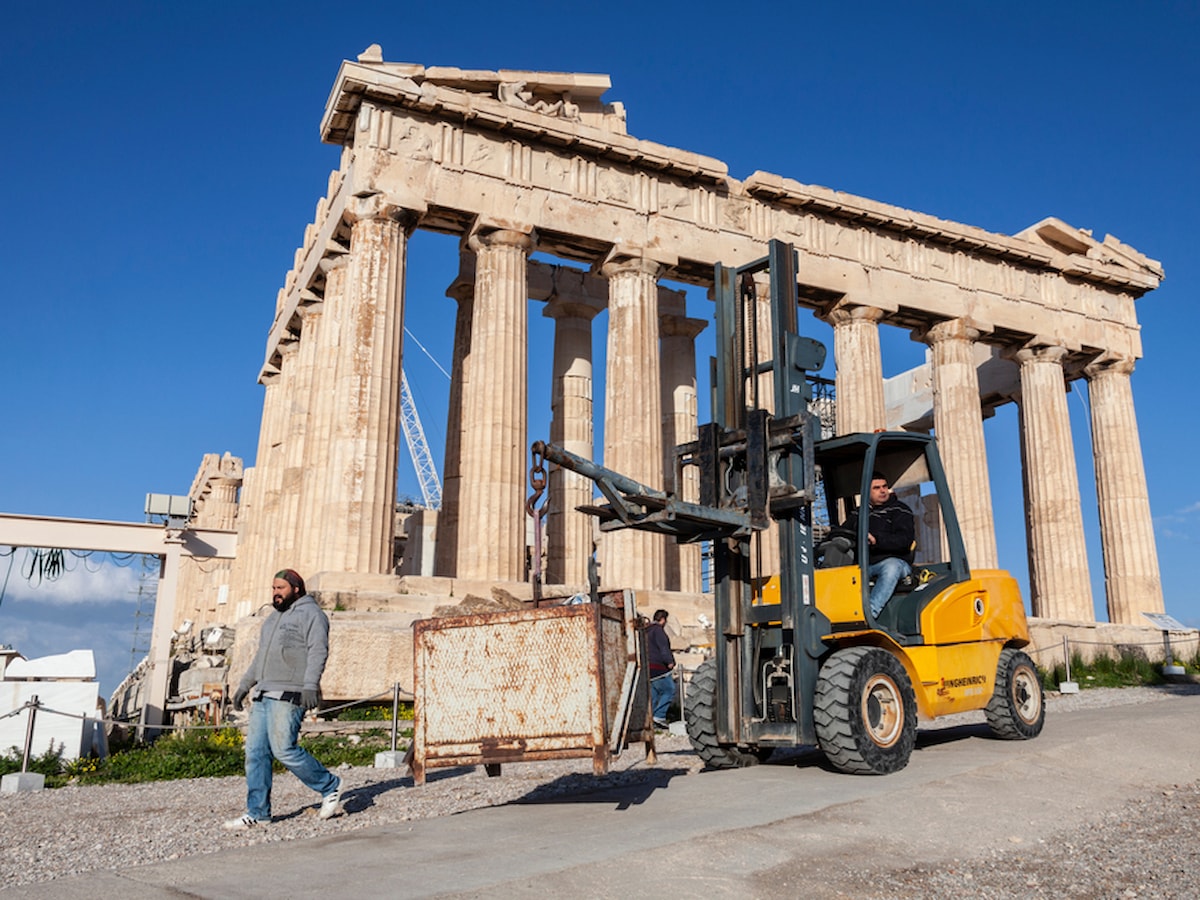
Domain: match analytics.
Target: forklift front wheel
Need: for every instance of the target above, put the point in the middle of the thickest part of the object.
(700, 715)
(865, 711)
(1017, 709)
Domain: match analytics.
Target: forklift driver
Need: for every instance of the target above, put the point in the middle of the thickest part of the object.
(891, 533)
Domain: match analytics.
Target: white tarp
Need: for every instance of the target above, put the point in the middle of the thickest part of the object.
(64, 704)
(77, 664)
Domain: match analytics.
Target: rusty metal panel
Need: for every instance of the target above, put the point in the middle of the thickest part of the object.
(612, 636)
(537, 683)
(524, 674)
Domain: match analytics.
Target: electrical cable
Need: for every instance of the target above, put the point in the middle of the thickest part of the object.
(12, 556)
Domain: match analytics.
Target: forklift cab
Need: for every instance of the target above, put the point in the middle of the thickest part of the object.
(913, 469)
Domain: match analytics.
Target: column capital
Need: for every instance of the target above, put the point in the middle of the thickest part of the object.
(1037, 353)
(482, 236)
(680, 326)
(462, 288)
(846, 313)
(365, 207)
(615, 265)
(336, 261)
(1109, 363)
(624, 258)
(230, 465)
(461, 291)
(559, 307)
(960, 329)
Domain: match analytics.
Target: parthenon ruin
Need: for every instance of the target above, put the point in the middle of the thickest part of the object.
(515, 163)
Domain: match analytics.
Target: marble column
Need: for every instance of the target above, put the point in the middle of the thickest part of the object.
(568, 531)
(299, 420)
(316, 465)
(958, 424)
(358, 525)
(764, 549)
(445, 561)
(491, 527)
(859, 378)
(1131, 575)
(250, 579)
(241, 572)
(932, 546)
(1058, 574)
(201, 581)
(221, 508)
(633, 440)
(270, 518)
(681, 562)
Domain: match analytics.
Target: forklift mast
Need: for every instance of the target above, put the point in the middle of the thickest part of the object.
(757, 454)
(755, 462)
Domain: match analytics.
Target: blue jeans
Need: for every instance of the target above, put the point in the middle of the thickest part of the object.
(662, 692)
(886, 573)
(273, 732)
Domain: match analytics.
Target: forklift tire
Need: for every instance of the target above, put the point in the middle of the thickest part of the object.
(699, 714)
(1017, 709)
(865, 712)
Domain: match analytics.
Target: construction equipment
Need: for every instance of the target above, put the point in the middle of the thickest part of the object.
(418, 447)
(564, 678)
(799, 660)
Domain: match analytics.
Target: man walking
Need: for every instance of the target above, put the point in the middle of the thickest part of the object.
(285, 678)
(662, 668)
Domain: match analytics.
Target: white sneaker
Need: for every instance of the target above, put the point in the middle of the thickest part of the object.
(245, 822)
(331, 803)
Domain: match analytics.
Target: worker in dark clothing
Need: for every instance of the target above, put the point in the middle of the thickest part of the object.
(891, 539)
(662, 668)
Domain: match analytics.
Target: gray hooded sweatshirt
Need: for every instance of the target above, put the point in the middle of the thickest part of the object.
(292, 648)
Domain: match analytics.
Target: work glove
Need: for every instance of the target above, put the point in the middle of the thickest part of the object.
(239, 697)
(310, 699)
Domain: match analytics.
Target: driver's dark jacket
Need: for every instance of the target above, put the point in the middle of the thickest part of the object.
(894, 528)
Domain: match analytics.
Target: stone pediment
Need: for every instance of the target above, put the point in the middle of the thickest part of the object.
(574, 97)
(562, 109)
(544, 86)
(1058, 235)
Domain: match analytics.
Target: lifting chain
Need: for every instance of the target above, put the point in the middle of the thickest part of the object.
(537, 482)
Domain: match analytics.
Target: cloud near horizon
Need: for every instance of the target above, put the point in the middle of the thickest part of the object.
(95, 579)
(93, 605)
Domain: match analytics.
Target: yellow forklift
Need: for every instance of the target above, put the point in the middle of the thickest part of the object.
(799, 660)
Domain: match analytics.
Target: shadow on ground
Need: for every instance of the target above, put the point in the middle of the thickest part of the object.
(625, 789)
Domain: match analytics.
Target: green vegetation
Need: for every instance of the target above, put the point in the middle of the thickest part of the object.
(49, 763)
(1130, 668)
(193, 754)
(375, 712)
(187, 755)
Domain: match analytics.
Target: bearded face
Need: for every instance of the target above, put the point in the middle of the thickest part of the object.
(283, 594)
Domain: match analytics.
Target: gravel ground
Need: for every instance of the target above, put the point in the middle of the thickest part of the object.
(1151, 847)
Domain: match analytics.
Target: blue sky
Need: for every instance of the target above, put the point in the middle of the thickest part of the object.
(162, 160)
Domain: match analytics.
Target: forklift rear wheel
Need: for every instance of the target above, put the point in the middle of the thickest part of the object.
(699, 713)
(1016, 711)
(865, 712)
